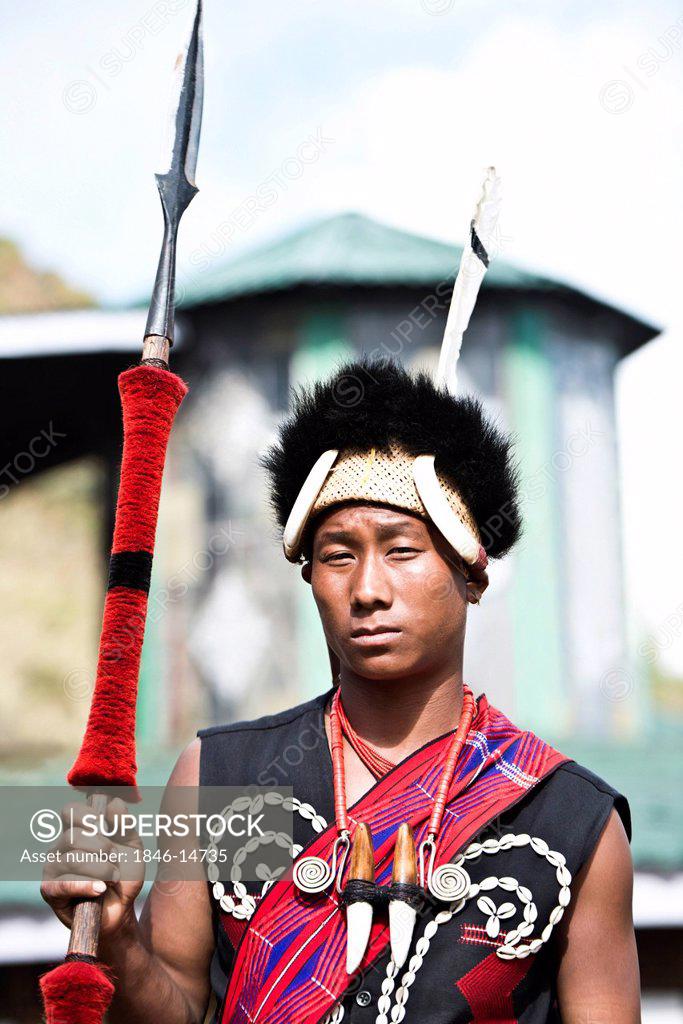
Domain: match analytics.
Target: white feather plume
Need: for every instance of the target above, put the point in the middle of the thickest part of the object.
(470, 275)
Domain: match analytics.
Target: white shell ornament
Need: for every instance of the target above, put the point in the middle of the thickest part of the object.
(449, 882)
(312, 874)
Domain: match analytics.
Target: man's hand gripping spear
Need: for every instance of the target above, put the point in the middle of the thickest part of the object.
(79, 990)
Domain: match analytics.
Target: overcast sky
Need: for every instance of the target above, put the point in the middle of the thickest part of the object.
(577, 104)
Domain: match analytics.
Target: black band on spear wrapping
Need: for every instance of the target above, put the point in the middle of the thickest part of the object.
(477, 246)
(357, 890)
(161, 364)
(130, 569)
(82, 958)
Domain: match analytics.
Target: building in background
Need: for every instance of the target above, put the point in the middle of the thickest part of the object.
(233, 631)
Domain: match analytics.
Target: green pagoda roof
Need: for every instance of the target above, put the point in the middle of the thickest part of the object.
(345, 250)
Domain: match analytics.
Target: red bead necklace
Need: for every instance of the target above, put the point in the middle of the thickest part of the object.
(380, 765)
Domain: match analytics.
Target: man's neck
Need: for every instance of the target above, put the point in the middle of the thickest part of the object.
(399, 716)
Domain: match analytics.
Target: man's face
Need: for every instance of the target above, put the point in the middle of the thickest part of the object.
(389, 590)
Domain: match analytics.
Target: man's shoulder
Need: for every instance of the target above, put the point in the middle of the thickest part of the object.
(271, 721)
(573, 785)
(584, 778)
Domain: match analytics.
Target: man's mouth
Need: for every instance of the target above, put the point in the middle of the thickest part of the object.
(369, 636)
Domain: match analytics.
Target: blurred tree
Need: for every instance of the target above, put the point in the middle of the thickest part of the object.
(26, 290)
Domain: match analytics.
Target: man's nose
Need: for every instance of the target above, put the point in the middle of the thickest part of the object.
(370, 585)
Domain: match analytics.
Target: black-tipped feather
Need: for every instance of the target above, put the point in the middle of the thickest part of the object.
(368, 403)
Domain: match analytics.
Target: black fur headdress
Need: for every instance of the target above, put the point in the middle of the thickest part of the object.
(374, 403)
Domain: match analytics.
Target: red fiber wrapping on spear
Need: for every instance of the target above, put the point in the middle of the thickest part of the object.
(150, 398)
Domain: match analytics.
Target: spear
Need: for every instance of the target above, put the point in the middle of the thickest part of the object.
(79, 990)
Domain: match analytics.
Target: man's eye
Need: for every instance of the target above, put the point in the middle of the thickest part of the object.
(337, 556)
(404, 551)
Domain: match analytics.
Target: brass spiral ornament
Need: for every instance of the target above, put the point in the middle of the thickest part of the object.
(312, 874)
(449, 882)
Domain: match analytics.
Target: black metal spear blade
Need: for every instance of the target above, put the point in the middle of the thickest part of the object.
(176, 183)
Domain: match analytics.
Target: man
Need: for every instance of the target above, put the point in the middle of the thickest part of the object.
(453, 867)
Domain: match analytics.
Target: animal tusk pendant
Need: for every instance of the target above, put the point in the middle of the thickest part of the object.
(402, 914)
(358, 909)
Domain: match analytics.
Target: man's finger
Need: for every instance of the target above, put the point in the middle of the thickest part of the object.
(65, 890)
(98, 869)
(115, 808)
(73, 813)
(75, 840)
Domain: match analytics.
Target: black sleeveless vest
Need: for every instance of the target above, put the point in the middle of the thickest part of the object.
(461, 979)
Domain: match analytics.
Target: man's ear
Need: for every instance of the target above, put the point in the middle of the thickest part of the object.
(475, 590)
(306, 572)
